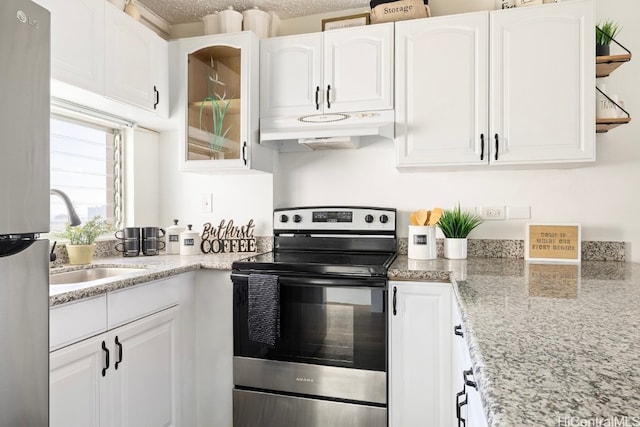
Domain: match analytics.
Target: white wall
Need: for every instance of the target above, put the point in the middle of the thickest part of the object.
(602, 197)
(235, 197)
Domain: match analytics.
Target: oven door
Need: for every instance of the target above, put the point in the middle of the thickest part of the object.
(324, 337)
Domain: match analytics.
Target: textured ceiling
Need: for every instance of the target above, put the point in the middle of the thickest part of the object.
(184, 11)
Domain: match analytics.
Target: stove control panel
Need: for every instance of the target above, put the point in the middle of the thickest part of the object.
(334, 218)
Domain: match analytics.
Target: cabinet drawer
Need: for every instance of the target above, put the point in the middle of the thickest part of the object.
(132, 303)
(75, 321)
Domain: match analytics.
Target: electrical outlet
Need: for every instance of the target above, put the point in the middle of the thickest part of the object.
(518, 212)
(492, 213)
(206, 203)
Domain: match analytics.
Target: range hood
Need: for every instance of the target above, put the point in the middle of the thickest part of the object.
(325, 131)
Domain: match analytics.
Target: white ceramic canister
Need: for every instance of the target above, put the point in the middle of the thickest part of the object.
(230, 20)
(211, 23)
(258, 21)
(422, 242)
(189, 242)
(173, 238)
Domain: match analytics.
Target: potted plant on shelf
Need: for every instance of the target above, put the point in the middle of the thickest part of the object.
(605, 32)
(456, 226)
(82, 239)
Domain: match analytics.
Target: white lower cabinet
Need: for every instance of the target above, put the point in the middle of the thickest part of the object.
(125, 377)
(136, 374)
(420, 354)
(467, 404)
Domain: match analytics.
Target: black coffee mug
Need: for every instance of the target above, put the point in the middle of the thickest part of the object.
(129, 247)
(150, 243)
(128, 233)
(152, 246)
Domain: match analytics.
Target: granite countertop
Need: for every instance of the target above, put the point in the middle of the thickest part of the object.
(551, 344)
(155, 267)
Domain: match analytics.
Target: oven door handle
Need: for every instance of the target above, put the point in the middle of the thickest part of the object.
(328, 282)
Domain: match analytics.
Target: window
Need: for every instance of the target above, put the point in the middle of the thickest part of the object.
(85, 164)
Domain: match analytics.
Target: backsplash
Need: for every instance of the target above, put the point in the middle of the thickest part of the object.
(477, 248)
(491, 248)
(105, 248)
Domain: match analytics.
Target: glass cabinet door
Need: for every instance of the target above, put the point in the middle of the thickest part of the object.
(214, 119)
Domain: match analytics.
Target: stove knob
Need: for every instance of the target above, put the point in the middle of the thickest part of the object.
(368, 219)
(284, 218)
(297, 218)
(384, 219)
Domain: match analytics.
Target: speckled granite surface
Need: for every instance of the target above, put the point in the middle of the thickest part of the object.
(552, 344)
(156, 267)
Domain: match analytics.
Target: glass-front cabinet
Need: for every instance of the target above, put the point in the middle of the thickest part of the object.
(220, 78)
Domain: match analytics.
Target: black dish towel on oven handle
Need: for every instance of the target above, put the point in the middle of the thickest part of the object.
(264, 309)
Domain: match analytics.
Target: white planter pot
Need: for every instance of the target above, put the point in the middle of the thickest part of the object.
(455, 248)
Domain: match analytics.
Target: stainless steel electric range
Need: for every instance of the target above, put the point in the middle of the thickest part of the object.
(310, 322)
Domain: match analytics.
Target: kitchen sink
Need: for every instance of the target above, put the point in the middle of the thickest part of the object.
(90, 274)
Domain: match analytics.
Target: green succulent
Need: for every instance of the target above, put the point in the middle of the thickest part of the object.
(87, 233)
(456, 224)
(606, 31)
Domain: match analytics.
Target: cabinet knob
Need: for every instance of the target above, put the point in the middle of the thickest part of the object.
(328, 96)
(105, 350)
(482, 146)
(497, 147)
(457, 330)
(157, 92)
(465, 375)
(119, 361)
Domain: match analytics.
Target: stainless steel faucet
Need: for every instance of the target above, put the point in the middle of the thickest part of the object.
(74, 219)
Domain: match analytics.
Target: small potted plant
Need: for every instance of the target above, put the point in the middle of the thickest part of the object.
(605, 32)
(456, 226)
(82, 239)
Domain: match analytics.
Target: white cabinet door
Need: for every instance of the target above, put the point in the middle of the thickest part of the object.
(122, 378)
(336, 71)
(219, 85)
(542, 84)
(441, 91)
(144, 372)
(358, 68)
(77, 388)
(77, 42)
(420, 354)
(514, 87)
(291, 75)
(136, 61)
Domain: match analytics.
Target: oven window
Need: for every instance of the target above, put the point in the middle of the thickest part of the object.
(334, 326)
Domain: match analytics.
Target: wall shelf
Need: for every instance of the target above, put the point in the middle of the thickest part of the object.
(604, 125)
(605, 65)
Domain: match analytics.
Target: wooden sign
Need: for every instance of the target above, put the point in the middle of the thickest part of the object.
(552, 242)
(228, 238)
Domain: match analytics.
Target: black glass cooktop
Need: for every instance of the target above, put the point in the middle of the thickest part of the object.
(318, 262)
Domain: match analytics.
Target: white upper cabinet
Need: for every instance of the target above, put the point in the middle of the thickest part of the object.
(335, 71)
(507, 87)
(137, 63)
(542, 84)
(77, 42)
(441, 90)
(218, 77)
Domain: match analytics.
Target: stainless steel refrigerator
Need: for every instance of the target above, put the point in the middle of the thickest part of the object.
(24, 213)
